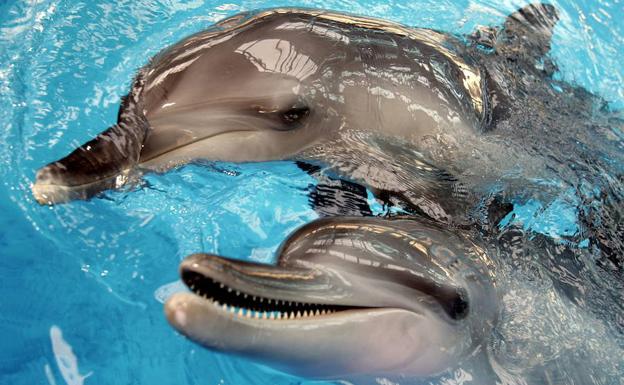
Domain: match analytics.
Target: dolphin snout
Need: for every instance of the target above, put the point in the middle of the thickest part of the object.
(49, 184)
(176, 310)
(62, 181)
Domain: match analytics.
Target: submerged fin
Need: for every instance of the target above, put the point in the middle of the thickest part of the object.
(332, 197)
(526, 33)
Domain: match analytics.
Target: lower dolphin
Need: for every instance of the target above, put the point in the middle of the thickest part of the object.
(349, 297)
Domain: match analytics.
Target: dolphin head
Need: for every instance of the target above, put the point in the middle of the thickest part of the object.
(348, 298)
(251, 92)
(280, 82)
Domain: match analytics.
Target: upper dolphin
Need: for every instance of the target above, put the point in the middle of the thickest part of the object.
(291, 84)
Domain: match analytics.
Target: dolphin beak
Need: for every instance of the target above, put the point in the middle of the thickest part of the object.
(100, 164)
(261, 279)
(63, 181)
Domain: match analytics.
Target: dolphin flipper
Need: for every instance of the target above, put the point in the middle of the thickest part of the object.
(400, 176)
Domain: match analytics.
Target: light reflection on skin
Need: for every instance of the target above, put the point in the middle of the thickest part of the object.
(392, 73)
(279, 56)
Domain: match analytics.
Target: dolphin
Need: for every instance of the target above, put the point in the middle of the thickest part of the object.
(349, 298)
(341, 91)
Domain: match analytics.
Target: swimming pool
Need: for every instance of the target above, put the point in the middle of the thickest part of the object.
(83, 283)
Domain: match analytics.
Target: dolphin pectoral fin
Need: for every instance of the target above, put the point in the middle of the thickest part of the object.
(337, 197)
(100, 164)
(526, 33)
(332, 197)
(428, 191)
(397, 174)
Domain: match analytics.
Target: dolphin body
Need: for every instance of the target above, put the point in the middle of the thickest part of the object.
(350, 298)
(342, 91)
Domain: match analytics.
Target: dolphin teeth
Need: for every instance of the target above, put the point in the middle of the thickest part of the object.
(237, 292)
(261, 299)
(254, 297)
(240, 312)
(232, 310)
(229, 289)
(272, 316)
(298, 314)
(317, 313)
(245, 296)
(216, 303)
(193, 287)
(264, 315)
(224, 307)
(221, 285)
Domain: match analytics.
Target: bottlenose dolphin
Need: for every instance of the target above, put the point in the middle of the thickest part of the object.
(342, 91)
(350, 297)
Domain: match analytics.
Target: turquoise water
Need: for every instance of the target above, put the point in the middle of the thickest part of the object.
(82, 284)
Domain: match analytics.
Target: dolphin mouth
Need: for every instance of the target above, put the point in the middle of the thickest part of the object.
(242, 303)
(251, 301)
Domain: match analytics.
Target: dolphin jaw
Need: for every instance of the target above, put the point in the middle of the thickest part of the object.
(252, 302)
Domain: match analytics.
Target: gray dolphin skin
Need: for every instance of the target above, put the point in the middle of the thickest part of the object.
(349, 297)
(292, 84)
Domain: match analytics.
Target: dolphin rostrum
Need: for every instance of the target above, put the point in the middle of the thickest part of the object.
(326, 88)
(350, 297)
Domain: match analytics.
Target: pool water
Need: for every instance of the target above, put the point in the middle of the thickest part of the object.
(82, 284)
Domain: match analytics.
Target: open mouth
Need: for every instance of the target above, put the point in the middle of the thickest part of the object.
(249, 305)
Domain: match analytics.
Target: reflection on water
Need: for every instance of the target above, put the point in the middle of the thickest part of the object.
(98, 269)
(66, 360)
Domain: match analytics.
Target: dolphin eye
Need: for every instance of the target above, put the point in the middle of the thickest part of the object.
(294, 114)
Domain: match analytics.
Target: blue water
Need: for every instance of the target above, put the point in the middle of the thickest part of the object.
(82, 284)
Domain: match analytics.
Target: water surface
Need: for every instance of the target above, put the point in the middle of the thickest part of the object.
(82, 284)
